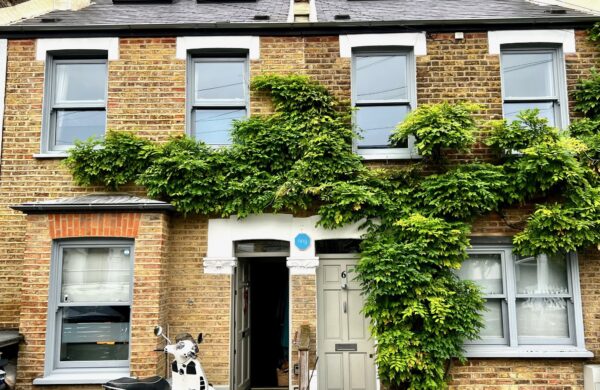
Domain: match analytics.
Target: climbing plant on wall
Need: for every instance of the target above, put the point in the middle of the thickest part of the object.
(416, 217)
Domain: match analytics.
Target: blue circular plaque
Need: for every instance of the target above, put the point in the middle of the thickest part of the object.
(302, 241)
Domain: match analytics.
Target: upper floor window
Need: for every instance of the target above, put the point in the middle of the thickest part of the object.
(218, 95)
(534, 78)
(75, 96)
(383, 91)
(530, 301)
(90, 305)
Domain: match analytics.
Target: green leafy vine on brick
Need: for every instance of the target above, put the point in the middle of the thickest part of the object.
(417, 222)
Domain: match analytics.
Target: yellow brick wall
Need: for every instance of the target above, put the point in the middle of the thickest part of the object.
(147, 96)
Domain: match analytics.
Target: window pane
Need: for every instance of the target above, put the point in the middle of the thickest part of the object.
(542, 275)
(95, 333)
(78, 125)
(492, 317)
(214, 126)
(219, 80)
(381, 78)
(96, 275)
(528, 75)
(375, 124)
(546, 110)
(542, 317)
(485, 270)
(80, 82)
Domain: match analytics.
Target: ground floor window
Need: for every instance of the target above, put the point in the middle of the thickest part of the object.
(90, 304)
(530, 301)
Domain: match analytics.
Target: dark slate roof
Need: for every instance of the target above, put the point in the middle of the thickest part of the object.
(188, 12)
(436, 10)
(95, 202)
(104, 12)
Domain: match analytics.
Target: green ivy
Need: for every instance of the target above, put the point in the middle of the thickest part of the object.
(587, 95)
(464, 191)
(421, 312)
(112, 162)
(301, 158)
(438, 126)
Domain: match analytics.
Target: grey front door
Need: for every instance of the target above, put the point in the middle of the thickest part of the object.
(241, 331)
(345, 349)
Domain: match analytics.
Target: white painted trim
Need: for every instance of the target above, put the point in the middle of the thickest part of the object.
(219, 265)
(535, 351)
(223, 233)
(418, 41)
(111, 45)
(3, 56)
(248, 42)
(300, 266)
(566, 38)
(79, 376)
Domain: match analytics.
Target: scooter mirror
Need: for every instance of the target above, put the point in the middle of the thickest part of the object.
(200, 338)
(158, 330)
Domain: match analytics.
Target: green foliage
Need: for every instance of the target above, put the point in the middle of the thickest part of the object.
(464, 191)
(558, 228)
(546, 166)
(301, 157)
(527, 130)
(112, 162)
(587, 95)
(421, 313)
(594, 33)
(438, 126)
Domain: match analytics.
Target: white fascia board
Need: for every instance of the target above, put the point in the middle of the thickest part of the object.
(418, 41)
(566, 38)
(245, 42)
(43, 45)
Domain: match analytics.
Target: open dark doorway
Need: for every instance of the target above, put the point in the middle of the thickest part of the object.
(269, 322)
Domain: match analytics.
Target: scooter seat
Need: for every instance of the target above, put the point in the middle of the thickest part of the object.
(126, 383)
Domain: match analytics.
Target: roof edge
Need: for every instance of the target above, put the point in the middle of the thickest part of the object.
(37, 208)
(295, 28)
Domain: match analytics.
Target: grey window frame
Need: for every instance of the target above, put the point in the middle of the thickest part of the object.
(192, 105)
(504, 256)
(50, 107)
(560, 99)
(52, 361)
(411, 102)
(516, 346)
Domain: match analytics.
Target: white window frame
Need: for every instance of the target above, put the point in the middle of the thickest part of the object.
(56, 372)
(51, 108)
(514, 346)
(411, 102)
(192, 105)
(560, 98)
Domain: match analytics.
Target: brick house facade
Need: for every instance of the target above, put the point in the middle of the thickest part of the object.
(146, 94)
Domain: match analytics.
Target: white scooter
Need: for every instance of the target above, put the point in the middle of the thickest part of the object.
(186, 370)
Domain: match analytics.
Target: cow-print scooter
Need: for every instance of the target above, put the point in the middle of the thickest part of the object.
(186, 370)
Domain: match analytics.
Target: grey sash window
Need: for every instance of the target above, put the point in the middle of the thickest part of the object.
(534, 79)
(529, 301)
(218, 95)
(90, 304)
(76, 92)
(383, 92)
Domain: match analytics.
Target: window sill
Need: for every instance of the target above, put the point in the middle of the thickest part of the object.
(51, 155)
(81, 376)
(529, 351)
(387, 154)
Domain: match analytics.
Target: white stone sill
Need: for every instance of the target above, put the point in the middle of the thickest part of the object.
(81, 376)
(367, 154)
(531, 351)
(51, 155)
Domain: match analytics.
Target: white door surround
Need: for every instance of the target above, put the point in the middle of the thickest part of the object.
(224, 232)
